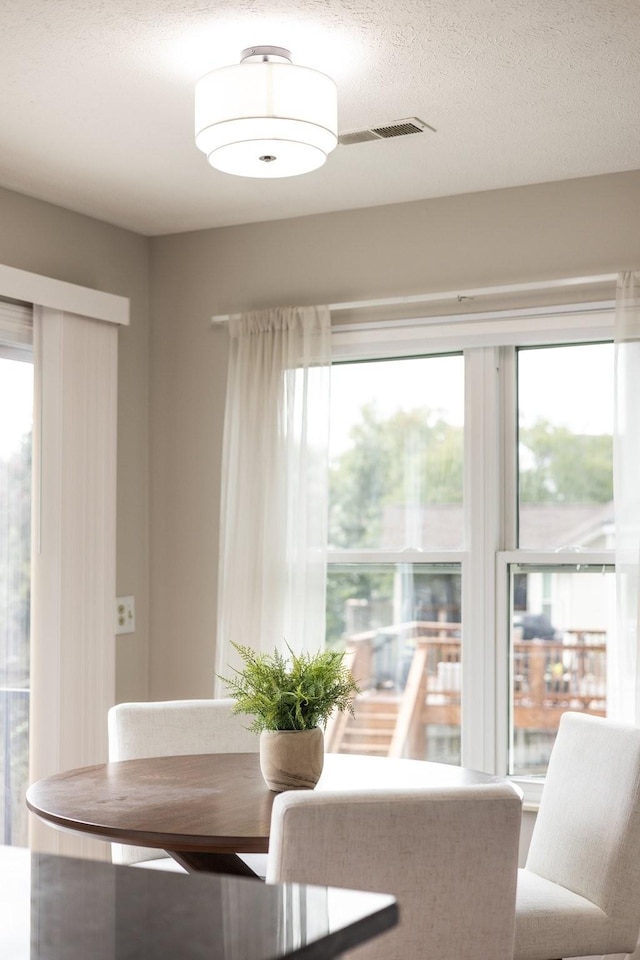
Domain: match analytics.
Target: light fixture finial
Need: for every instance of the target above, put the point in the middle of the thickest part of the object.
(265, 54)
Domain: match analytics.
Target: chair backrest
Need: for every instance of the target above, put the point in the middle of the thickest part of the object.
(448, 855)
(177, 727)
(174, 728)
(587, 832)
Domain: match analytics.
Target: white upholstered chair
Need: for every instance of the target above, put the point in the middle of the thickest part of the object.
(448, 855)
(579, 893)
(174, 728)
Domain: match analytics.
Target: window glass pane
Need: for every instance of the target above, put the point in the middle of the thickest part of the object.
(16, 407)
(400, 625)
(561, 621)
(397, 454)
(565, 447)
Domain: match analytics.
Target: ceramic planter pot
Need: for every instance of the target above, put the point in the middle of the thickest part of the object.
(291, 759)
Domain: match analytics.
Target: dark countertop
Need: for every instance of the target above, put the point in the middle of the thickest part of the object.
(81, 909)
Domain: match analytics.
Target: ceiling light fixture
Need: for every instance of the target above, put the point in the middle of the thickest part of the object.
(265, 116)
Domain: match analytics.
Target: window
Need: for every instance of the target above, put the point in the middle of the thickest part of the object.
(558, 654)
(565, 447)
(16, 409)
(397, 433)
(471, 563)
(561, 612)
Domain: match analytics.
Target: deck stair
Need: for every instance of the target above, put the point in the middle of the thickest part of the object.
(371, 730)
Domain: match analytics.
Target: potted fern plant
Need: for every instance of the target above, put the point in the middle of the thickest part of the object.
(290, 701)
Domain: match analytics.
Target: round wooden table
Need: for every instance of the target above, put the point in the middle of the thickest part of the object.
(203, 809)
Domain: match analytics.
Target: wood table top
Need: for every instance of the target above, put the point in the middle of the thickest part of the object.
(215, 803)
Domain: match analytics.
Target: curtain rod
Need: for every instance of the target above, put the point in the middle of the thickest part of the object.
(452, 294)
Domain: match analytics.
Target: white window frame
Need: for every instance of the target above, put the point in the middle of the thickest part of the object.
(490, 488)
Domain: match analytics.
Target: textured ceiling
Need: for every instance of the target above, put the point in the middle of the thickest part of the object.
(96, 112)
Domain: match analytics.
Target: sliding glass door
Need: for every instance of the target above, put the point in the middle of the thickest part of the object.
(16, 407)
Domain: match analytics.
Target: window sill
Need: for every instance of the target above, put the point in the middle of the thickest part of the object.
(531, 792)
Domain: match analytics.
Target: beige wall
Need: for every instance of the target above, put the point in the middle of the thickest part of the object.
(48, 240)
(540, 232)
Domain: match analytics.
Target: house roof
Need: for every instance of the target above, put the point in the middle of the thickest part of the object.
(549, 526)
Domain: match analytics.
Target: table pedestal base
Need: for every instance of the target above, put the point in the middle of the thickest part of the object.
(196, 862)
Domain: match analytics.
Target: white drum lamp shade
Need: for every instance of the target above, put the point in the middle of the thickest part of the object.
(266, 117)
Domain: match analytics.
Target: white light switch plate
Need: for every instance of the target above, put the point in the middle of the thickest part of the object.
(125, 615)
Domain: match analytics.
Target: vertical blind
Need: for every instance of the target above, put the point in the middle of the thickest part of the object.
(16, 330)
(73, 554)
(73, 523)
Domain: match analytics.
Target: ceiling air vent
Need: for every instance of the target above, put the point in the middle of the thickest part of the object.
(398, 128)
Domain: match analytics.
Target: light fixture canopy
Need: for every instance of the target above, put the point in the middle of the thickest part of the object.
(265, 116)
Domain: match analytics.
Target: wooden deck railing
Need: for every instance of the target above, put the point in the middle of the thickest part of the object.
(548, 678)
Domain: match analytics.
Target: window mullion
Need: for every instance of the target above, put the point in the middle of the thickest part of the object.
(508, 426)
(483, 495)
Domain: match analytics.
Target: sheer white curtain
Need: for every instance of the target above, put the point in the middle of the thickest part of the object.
(273, 538)
(623, 660)
(623, 657)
